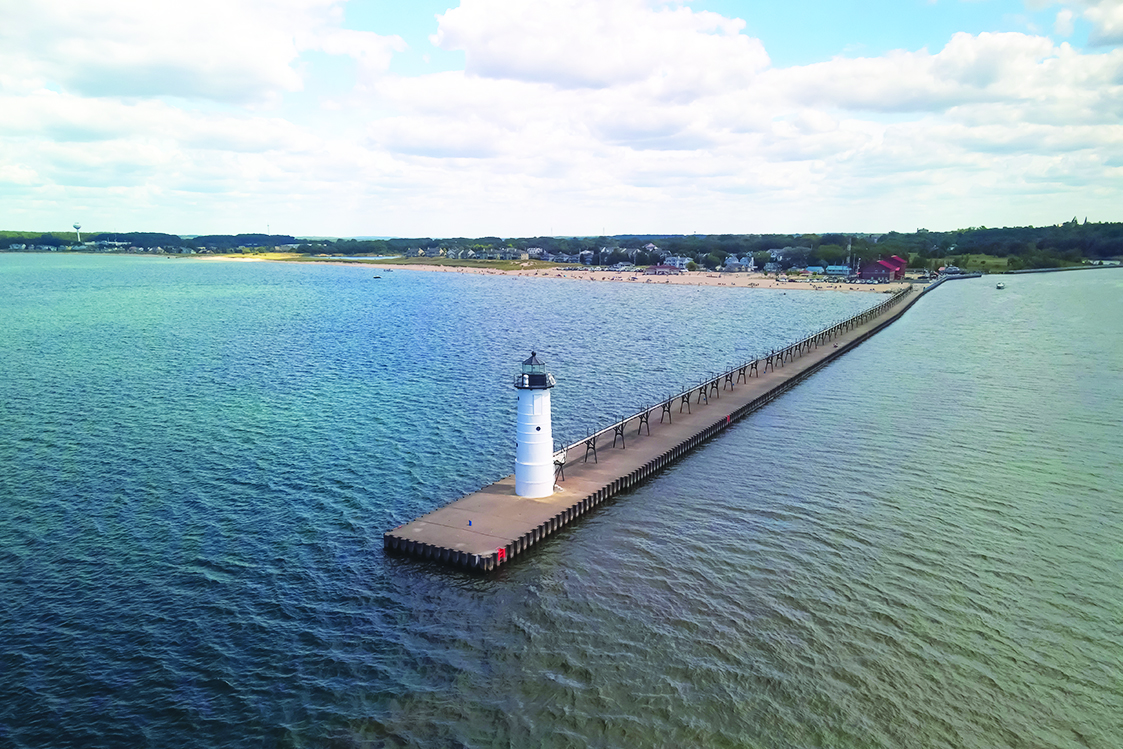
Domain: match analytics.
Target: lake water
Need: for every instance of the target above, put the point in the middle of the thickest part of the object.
(922, 545)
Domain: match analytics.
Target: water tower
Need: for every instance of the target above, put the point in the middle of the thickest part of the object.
(78, 228)
(534, 454)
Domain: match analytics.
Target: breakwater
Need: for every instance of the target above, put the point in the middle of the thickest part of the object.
(1059, 270)
(493, 526)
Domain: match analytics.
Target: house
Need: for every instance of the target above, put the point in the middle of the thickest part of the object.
(771, 267)
(894, 269)
(842, 271)
(877, 271)
(662, 270)
(677, 262)
(780, 254)
(880, 270)
(816, 270)
(586, 257)
(732, 263)
(898, 265)
(748, 262)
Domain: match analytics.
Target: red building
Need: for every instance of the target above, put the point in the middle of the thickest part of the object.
(900, 263)
(892, 269)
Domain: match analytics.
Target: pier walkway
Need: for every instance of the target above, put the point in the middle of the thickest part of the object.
(493, 526)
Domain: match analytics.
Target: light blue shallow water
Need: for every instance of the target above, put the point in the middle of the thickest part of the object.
(920, 546)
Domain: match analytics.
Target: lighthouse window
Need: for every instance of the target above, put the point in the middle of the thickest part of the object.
(538, 429)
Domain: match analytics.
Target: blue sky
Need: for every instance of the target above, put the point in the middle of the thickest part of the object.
(366, 117)
(803, 31)
(796, 32)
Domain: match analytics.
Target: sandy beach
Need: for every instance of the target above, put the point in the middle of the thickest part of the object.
(686, 278)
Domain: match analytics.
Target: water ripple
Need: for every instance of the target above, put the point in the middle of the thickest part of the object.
(917, 547)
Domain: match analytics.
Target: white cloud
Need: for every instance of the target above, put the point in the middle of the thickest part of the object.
(1107, 22)
(970, 69)
(225, 50)
(602, 43)
(1105, 16)
(581, 116)
(1063, 25)
(68, 118)
(17, 174)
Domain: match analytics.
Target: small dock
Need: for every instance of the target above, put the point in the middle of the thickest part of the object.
(494, 526)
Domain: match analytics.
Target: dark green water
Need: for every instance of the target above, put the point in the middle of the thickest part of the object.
(920, 546)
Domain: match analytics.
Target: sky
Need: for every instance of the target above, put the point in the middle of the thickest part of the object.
(558, 117)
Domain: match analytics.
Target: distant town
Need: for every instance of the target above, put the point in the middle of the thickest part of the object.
(843, 255)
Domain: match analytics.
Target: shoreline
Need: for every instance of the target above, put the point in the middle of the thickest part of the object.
(686, 278)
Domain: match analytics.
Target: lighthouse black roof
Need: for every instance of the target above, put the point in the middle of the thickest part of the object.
(534, 375)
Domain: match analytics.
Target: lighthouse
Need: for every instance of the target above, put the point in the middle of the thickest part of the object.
(534, 454)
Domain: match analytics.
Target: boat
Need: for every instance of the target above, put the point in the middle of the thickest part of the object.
(1000, 285)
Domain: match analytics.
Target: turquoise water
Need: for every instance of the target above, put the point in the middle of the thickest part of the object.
(920, 546)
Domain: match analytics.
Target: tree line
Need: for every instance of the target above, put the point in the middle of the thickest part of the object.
(148, 240)
(1024, 247)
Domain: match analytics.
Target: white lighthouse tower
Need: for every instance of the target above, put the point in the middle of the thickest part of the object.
(534, 455)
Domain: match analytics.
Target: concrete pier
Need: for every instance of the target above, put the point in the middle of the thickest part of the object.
(505, 526)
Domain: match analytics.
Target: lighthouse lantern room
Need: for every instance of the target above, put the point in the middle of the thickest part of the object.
(534, 454)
